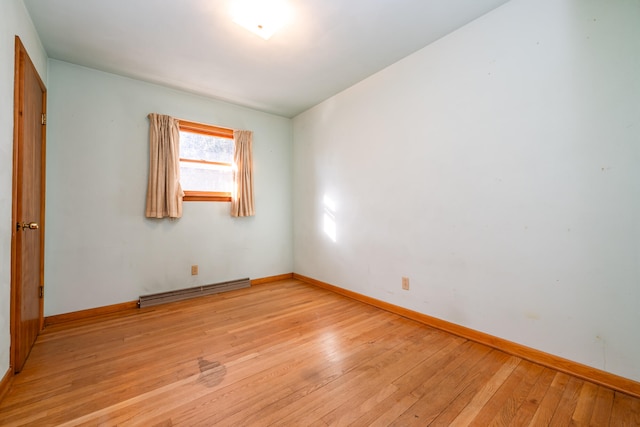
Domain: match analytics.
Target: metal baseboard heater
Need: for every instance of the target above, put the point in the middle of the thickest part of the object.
(188, 293)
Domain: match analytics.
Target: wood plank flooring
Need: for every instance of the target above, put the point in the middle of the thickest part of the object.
(288, 354)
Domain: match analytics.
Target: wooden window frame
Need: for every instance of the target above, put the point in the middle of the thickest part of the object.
(204, 129)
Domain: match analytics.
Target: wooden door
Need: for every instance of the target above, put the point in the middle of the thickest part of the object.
(27, 274)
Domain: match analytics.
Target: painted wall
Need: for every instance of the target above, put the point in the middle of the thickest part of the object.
(498, 169)
(14, 20)
(100, 249)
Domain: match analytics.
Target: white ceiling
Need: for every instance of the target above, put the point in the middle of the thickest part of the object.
(193, 45)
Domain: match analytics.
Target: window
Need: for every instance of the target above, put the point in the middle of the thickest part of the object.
(206, 162)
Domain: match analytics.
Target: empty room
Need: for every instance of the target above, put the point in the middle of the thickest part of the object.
(289, 212)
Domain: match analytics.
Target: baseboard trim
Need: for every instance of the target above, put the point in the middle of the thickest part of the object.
(576, 369)
(5, 382)
(90, 312)
(271, 279)
(109, 309)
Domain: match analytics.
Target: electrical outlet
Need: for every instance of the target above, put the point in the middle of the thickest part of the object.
(405, 283)
(194, 270)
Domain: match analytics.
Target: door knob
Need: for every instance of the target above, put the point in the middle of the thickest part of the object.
(27, 226)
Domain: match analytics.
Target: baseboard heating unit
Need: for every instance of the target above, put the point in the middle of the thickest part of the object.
(198, 291)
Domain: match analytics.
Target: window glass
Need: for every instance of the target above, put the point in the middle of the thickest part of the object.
(206, 162)
(204, 177)
(205, 147)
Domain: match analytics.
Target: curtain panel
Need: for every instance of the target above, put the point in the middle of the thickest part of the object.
(242, 199)
(164, 193)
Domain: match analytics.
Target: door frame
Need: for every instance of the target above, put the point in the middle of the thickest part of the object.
(22, 61)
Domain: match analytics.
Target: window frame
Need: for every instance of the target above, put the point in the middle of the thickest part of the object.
(211, 130)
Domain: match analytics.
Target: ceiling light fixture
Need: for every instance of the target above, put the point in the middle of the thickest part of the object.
(261, 17)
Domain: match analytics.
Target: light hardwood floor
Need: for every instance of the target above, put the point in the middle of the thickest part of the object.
(288, 354)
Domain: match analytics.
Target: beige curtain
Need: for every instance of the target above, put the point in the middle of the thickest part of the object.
(242, 198)
(164, 194)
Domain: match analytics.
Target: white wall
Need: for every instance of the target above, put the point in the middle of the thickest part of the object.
(100, 249)
(14, 20)
(498, 169)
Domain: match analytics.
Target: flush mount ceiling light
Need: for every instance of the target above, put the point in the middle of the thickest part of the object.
(261, 17)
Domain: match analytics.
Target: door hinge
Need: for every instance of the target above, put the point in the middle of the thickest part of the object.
(44, 119)
(41, 291)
